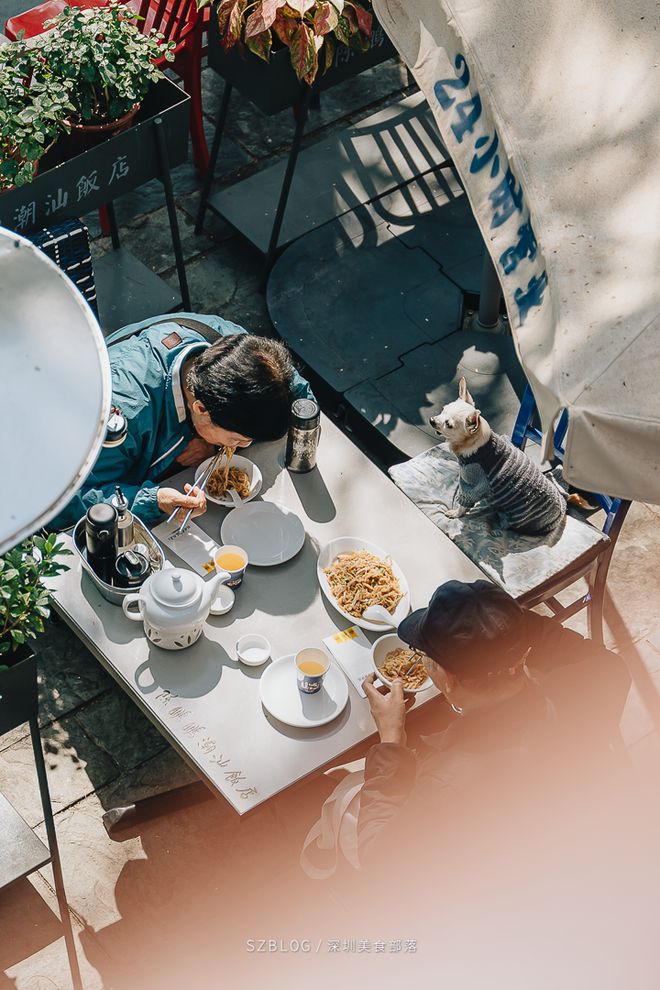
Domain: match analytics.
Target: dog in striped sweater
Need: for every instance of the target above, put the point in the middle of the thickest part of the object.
(495, 472)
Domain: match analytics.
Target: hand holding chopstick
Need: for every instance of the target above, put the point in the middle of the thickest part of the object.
(199, 488)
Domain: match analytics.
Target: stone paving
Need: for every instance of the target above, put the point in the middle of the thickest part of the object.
(160, 888)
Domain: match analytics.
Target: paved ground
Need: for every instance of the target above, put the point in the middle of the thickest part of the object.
(173, 889)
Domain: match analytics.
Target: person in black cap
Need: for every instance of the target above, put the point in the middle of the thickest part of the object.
(522, 690)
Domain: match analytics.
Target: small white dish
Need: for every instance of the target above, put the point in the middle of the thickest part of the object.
(253, 649)
(379, 651)
(346, 544)
(224, 601)
(269, 533)
(250, 468)
(280, 696)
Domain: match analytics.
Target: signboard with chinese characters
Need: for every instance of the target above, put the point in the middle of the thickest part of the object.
(105, 172)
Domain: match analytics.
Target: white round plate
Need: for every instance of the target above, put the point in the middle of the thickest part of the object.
(379, 651)
(269, 533)
(251, 469)
(280, 695)
(345, 544)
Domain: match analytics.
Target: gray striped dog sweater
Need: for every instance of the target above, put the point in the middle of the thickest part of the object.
(504, 477)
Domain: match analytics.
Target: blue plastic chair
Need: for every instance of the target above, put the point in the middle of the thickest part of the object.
(616, 510)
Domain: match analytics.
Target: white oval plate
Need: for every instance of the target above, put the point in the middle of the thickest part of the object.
(278, 687)
(347, 543)
(269, 533)
(251, 469)
(379, 651)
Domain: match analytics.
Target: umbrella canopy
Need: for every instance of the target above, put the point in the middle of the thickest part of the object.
(551, 112)
(55, 389)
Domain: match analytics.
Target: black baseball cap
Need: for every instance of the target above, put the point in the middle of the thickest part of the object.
(473, 628)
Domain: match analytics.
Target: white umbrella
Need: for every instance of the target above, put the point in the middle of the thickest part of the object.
(54, 389)
(551, 113)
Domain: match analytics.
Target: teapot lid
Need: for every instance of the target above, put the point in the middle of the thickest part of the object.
(175, 588)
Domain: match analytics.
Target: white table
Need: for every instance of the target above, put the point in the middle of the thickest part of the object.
(203, 701)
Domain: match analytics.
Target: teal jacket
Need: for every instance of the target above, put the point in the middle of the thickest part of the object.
(146, 387)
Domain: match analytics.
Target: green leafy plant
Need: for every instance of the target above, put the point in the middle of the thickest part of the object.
(101, 56)
(24, 599)
(34, 113)
(310, 29)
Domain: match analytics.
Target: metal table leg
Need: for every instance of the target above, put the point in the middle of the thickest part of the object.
(489, 298)
(166, 179)
(301, 120)
(215, 148)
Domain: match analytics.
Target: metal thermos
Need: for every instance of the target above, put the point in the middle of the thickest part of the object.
(131, 569)
(125, 537)
(100, 539)
(303, 438)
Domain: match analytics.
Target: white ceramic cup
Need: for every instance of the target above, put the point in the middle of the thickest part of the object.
(253, 649)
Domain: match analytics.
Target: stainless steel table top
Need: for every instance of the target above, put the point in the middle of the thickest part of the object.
(207, 704)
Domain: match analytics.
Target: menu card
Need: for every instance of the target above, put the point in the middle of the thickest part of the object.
(193, 546)
(352, 651)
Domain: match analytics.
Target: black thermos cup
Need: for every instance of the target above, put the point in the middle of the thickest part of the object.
(100, 537)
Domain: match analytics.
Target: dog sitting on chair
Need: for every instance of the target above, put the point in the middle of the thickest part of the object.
(495, 472)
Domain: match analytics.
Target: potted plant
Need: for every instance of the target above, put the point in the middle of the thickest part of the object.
(24, 605)
(318, 42)
(100, 55)
(33, 114)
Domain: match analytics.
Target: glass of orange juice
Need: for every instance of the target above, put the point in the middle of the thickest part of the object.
(233, 561)
(311, 666)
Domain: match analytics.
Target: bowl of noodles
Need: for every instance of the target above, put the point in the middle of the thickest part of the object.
(233, 471)
(354, 574)
(392, 658)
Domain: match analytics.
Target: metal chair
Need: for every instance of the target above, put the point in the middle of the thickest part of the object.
(596, 571)
(178, 20)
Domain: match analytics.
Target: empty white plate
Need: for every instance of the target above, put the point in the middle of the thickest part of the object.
(280, 695)
(269, 533)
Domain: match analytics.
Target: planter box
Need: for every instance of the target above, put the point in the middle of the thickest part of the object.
(66, 189)
(18, 689)
(274, 86)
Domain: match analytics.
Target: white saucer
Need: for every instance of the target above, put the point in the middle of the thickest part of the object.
(223, 601)
(280, 695)
(269, 533)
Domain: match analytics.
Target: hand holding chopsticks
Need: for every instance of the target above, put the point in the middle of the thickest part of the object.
(200, 486)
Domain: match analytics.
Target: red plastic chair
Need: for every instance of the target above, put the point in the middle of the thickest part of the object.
(178, 20)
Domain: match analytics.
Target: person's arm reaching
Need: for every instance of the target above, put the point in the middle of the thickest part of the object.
(391, 768)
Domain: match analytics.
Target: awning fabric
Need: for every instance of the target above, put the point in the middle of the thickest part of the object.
(551, 112)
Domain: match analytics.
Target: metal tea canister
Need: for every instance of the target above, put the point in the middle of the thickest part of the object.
(303, 438)
(100, 539)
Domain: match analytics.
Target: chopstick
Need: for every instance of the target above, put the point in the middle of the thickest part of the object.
(200, 488)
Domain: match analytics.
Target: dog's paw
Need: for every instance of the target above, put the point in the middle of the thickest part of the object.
(455, 513)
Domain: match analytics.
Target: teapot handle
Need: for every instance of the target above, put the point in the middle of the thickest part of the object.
(138, 615)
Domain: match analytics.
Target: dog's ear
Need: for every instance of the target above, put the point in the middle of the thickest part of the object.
(472, 421)
(463, 392)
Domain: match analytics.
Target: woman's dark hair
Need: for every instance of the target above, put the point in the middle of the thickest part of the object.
(246, 384)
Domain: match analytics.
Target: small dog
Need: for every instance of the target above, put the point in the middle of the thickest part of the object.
(492, 470)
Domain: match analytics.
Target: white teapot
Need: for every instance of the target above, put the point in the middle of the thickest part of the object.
(174, 604)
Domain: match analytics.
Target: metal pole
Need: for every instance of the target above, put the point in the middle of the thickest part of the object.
(112, 220)
(489, 298)
(286, 184)
(55, 854)
(166, 179)
(215, 148)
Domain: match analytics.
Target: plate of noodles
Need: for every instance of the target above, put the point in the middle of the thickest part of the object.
(354, 574)
(235, 472)
(393, 658)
